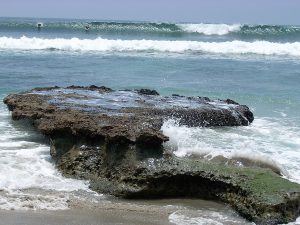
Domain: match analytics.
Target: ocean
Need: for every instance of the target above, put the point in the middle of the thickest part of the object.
(255, 65)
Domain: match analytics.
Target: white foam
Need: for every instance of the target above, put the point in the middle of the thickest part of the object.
(18, 200)
(26, 165)
(297, 222)
(268, 140)
(210, 29)
(205, 217)
(106, 45)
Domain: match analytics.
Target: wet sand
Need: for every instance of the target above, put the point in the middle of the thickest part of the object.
(114, 211)
(83, 217)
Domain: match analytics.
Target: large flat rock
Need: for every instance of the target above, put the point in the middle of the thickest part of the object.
(114, 139)
(128, 115)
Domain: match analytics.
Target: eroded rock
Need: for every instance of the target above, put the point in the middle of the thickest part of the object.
(114, 139)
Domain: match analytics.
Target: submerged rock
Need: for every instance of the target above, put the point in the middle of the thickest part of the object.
(114, 139)
(147, 92)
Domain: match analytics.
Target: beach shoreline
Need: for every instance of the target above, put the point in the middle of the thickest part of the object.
(113, 210)
(86, 217)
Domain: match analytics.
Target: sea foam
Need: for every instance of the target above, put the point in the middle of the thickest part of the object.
(206, 216)
(210, 29)
(107, 45)
(266, 141)
(25, 166)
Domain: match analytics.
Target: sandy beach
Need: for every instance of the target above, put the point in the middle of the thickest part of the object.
(130, 212)
(101, 216)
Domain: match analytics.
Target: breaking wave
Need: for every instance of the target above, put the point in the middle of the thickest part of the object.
(154, 28)
(267, 142)
(128, 27)
(108, 45)
(210, 29)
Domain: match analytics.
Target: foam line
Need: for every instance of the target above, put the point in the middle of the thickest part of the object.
(107, 45)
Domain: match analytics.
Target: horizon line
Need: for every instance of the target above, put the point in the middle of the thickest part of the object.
(141, 21)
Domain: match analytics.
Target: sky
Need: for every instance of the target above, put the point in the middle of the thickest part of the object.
(209, 11)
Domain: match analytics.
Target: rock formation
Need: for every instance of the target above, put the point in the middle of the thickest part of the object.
(114, 139)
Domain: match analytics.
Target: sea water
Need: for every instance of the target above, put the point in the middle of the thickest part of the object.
(256, 65)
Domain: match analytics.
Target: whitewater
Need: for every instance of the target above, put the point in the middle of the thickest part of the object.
(107, 45)
(26, 166)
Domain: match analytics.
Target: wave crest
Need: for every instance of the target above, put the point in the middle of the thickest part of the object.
(107, 45)
(210, 29)
(169, 29)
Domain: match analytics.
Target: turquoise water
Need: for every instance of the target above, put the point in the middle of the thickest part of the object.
(256, 65)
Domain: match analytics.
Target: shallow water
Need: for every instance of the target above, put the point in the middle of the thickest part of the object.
(254, 65)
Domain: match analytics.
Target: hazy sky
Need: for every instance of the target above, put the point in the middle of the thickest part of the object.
(221, 11)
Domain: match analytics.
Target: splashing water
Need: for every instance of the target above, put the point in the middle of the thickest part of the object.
(26, 166)
(267, 139)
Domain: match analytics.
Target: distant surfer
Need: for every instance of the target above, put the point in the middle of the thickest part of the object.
(87, 28)
(39, 26)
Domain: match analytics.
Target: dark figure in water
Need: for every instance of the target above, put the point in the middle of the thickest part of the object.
(39, 26)
(87, 28)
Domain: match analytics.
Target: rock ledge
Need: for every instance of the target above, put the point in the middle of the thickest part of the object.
(114, 139)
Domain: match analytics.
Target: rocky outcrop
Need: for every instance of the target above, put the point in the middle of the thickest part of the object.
(114, 139)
